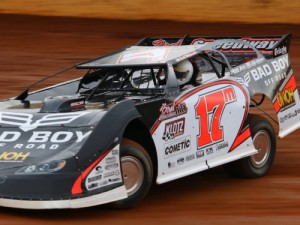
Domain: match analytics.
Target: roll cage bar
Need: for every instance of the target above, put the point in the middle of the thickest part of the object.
(202, 51)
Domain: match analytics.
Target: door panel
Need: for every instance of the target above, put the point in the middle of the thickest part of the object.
(201, 124)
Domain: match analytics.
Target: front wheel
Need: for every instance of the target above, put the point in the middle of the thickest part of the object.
(137, 171)
(264, 141)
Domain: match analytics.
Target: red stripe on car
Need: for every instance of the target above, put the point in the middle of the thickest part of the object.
(244, 135)
(77, 189)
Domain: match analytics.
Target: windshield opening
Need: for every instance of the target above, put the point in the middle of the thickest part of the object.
(100, 84)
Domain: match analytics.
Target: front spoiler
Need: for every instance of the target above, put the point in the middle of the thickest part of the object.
(98, 199)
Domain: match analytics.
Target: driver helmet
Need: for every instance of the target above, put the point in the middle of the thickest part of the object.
(183, 71)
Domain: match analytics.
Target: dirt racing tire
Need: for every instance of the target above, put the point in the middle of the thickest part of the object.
(264, 141)
(137, 172)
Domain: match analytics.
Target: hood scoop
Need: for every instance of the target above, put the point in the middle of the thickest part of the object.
(60, 104)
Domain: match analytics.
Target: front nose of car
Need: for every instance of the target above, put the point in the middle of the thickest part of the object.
(41, 181)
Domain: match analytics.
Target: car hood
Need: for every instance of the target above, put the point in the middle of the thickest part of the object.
(28, 137)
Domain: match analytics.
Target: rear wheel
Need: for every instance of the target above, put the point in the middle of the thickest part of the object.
(137, 171)
(264, 141)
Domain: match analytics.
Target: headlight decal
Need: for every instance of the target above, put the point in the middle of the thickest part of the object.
(77, 189)
(42, 168)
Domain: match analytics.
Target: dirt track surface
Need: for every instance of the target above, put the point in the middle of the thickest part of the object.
(266, 11)
(32, 47)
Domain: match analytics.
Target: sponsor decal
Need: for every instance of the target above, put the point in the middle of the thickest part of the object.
(109, 174)
(92, 179)
(174, 129)
(186, 56)
(209, 110)
(110, 160)
(200, 154)
(92, 185)
(41, 139)
(280, 76)
(99, 169)
(265, 71)
(45, 136)
(103, 183)
(77, 106)
(112, 173)
(190, 157)
(281, 63)
(33, 146)
(248, 65)
(115, 152)
(26, 123)
(171, 164)
(178, 146)
(285, 98)
(180, 161)
(289, 115)
(201, 41)
(280, 51)
(258, 73)
(172, 110)
(222, 145)
(209, 151)
(259, 43)
(111, 166)
(162, 42)
(112, 180)
(14, 156)
(271, 80)
(106, 171)
(148, 55)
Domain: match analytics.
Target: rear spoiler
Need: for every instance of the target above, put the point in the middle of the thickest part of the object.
(269, 46)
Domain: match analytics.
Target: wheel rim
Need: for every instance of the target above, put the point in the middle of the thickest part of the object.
(262, 143)
(133, 174)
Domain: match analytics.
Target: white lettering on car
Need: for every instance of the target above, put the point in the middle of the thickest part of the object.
(42, 137)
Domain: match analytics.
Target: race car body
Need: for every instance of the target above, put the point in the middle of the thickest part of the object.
(161, 110)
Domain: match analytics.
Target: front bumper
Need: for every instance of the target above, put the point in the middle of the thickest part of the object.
(37, 187)
(100, 183)
(82, 202)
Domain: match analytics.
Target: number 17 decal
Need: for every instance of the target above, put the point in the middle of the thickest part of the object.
(209, 109)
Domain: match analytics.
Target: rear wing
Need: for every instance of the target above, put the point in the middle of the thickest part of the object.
(269, 46)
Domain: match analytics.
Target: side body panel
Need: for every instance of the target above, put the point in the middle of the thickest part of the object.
(275, 79)
(203, 124)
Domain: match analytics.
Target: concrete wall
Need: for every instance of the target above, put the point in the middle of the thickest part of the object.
(249, 11)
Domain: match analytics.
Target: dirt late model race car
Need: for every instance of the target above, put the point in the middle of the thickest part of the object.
(160, 110)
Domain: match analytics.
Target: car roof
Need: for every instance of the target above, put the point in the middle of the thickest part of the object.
(143, 56)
